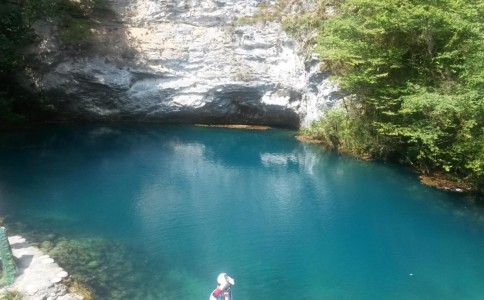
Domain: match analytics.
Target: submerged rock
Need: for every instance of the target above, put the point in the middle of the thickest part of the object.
(182, 61)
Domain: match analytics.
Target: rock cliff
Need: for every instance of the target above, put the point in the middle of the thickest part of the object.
(190, 61)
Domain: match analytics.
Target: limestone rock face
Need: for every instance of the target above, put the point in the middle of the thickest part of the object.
(190, 61)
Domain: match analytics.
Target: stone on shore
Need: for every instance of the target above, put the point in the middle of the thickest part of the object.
(38, 276)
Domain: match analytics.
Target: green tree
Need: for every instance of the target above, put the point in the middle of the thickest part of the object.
(413, 74)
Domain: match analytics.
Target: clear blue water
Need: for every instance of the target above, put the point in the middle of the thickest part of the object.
(287, 220)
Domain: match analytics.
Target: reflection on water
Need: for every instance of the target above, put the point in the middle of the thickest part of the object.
(156, 212)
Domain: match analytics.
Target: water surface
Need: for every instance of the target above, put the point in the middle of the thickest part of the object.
(156, 212)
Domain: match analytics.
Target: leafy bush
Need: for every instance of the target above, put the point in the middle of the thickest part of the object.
(414, 73)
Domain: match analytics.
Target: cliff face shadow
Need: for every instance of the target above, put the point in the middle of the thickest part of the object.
(23, 262)
(91, 69)
(109, 37)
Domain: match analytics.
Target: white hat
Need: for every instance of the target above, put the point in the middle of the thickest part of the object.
(224, 278)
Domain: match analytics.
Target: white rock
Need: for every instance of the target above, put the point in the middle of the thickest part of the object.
(193, 63)
(47, 261)
(56, 280)
(62, 274)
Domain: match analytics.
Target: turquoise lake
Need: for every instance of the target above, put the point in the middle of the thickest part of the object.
(157, 212)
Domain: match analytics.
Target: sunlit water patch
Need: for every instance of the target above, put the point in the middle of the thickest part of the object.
(156, 212)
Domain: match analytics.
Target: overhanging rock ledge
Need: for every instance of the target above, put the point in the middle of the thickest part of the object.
(182, 61)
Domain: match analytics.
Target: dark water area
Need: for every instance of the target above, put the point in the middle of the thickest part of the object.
(157, 212)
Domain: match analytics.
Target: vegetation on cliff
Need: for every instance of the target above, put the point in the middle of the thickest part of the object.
(413, 79)
(17, 104)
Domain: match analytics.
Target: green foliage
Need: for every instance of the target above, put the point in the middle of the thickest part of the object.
(444, 132)
(12, 295)
(34, 10)
(346, 133)
(73, 19)
(16, 20)
(375, 44)
(415, 76)
(75, 30)
(301, 24)
(72, 16)
(14, 34)
(298, 25)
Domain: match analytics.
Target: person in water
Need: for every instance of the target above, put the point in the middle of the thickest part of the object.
(224, 282)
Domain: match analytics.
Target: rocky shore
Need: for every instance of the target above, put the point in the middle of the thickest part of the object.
(38, 276)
